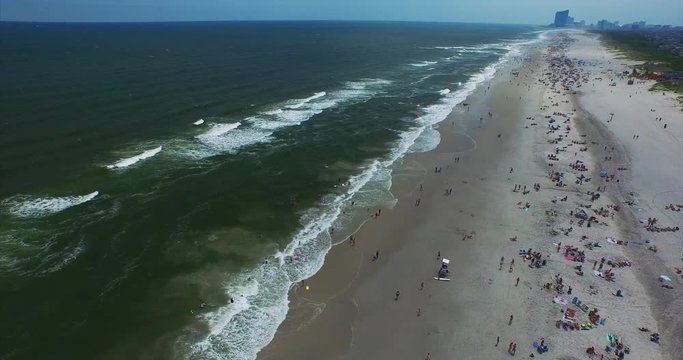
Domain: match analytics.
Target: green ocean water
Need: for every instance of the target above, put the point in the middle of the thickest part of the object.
(125, 229)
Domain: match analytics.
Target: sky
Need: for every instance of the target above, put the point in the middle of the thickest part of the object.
(483, 11)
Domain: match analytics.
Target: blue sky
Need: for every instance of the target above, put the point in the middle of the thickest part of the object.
(492, 11)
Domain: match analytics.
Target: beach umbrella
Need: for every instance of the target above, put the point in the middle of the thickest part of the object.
(664, 278)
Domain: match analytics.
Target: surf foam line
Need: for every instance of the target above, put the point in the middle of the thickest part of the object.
(260, 128)
(126, 162)
(27, 206)
(303, 102)
(423, 63)
(241, 329)
(424, 136)
(219, 129)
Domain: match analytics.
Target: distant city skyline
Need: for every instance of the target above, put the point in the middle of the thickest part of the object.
(484, 11)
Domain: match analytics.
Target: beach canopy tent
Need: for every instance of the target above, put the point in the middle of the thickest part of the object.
(581, 214)
(664, 278)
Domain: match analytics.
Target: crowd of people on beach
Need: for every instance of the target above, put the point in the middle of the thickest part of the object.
(569, 174)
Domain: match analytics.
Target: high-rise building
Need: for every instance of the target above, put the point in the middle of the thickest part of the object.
(561, 18)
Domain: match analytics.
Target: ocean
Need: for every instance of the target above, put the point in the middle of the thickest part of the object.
(163, 185)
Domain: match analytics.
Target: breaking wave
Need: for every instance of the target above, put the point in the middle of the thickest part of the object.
(126, 162)
(423, 63)
(261, 127)
(31, 206)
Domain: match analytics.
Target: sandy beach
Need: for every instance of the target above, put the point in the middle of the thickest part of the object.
(539, 194)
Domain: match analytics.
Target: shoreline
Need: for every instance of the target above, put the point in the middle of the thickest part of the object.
(350, 309)
(343, 262)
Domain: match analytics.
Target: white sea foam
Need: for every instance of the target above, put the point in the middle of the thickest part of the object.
(32, 206)
(444, 91)
(219, 129)
(272, 112)
(299, 103)
(423, 63)
(198, 122)
(64, 257)
(262, 126)
(123, 163)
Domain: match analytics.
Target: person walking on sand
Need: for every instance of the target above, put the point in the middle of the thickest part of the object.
(419, 311)
(514, 349)
(502, 260)
(497, 340)
(510, 321)
(397, 295)
(422, 286)
(517, 283)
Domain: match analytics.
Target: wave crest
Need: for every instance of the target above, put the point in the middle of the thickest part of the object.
(30, 206)
(126, 162)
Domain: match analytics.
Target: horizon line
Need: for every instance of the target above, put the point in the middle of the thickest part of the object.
(261, 20)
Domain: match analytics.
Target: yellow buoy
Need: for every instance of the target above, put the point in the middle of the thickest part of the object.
(308, 288)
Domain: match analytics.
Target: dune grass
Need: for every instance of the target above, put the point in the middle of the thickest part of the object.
(636, 45)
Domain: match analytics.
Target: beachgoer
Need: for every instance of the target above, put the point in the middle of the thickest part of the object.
(422, 285)
(517, 283)
(419, 311)
(510, 321)
(397, 295)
